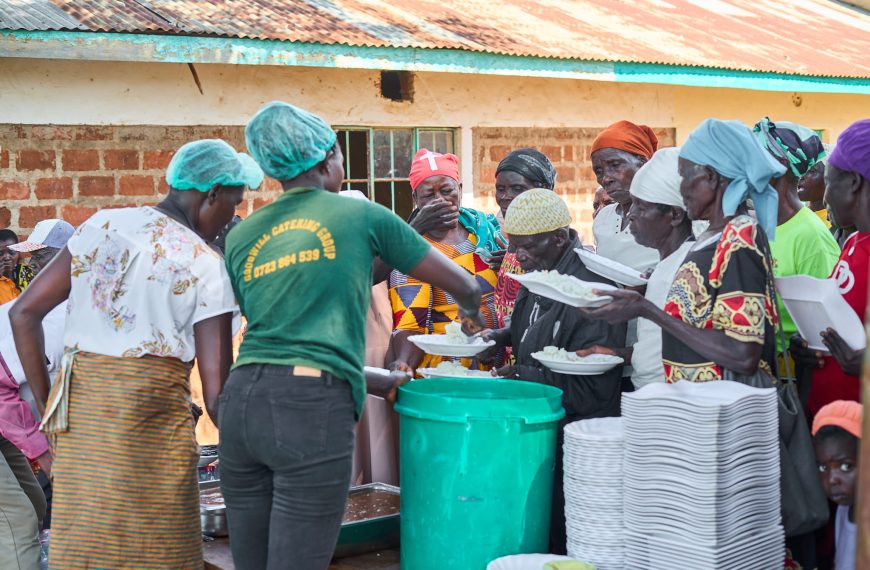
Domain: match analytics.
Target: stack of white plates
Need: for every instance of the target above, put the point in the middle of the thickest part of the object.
(701, 476)
(593, 492)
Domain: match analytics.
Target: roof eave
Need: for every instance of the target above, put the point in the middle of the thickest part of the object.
(104, 46)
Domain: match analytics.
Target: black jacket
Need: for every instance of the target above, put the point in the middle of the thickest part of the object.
(538, 322)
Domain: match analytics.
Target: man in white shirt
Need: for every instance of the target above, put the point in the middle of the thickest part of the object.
(657, 220)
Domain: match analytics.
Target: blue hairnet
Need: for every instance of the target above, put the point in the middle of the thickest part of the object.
(201, 165)
(731, 149)
(287, 140)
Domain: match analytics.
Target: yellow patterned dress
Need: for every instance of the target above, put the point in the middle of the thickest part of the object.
(722, 284)
(424, 309)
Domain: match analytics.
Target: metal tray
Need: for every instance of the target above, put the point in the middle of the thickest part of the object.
(369, 535)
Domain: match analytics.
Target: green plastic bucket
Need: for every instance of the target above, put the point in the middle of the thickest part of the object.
(476, 470)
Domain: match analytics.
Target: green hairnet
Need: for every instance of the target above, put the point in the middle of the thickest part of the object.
(201, 165)
(286, 140)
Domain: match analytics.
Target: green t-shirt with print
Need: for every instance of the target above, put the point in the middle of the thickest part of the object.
(803, 246)
(301, 269)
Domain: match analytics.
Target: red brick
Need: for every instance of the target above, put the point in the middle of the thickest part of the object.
(94, 133)
(565, 174)
(568, 152)
(154, 159)
(243, 209)
(498, 152)
(260, 202)
(4, 159)
(14, 190)
(270, 185)
(121, 159)
(52, 133)
(79, 160)
(29, 216)
(96, 186)
(136, 185)
(5, 217)
(35, 160)
(75, 214)
(554, 153)
(487, 175)
(54, 188)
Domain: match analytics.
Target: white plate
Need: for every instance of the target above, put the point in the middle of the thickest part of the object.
(815, 305)
(532, 281)
(580, 367)
(611, 269)
(434, 373)
(438, 345)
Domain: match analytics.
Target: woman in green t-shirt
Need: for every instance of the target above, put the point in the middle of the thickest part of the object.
(301, 268)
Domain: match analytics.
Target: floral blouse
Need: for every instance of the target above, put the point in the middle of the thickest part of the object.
(140, 281)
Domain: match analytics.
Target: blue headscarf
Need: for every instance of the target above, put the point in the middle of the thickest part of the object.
(731, 149)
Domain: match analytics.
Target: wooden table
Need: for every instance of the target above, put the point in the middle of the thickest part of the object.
(216, 555)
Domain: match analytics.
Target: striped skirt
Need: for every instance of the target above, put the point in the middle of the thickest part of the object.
(125, 490)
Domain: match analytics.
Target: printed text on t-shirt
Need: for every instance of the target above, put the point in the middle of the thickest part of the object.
(253, 270)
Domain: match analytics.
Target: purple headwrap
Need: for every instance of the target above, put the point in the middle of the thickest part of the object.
(852, 152)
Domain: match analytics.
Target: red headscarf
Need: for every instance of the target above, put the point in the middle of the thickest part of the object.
(624, 135)
(427, 163)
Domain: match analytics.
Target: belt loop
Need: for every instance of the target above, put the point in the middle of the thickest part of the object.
(328, 378)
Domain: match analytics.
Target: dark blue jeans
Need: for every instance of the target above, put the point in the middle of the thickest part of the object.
(286, 453)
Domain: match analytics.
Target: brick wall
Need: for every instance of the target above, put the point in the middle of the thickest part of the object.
(567, 148)
(49, 171)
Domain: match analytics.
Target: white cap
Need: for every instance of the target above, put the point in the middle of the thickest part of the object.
(47, 233)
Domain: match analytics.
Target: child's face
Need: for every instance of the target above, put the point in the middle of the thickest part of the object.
(837, 458)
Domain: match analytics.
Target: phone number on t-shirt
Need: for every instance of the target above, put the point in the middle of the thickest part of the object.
(285, 261)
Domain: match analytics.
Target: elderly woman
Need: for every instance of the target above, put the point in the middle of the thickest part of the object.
(803, 245)
(146, 295)
(518, 172)
(538, 224)
(718, 314)
(467, 237)
(847, 175)
(618, 152)
(657, 219)
(302, 270)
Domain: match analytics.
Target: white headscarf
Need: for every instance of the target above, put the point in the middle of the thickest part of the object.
(658, 181)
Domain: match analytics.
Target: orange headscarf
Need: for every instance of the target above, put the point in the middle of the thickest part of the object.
(624, 135)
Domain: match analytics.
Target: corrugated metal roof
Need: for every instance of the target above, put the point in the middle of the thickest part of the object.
(806, 37)
(35, 15)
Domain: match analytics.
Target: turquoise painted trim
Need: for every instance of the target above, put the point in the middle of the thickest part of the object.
(759, 81)
(242, 51)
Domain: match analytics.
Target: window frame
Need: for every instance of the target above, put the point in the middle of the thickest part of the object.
(370, 181)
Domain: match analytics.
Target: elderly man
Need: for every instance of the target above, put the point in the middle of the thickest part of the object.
(657, 219)
(537, 223)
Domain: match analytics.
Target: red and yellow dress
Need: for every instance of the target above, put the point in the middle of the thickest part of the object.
(722, 284)
(424, 309)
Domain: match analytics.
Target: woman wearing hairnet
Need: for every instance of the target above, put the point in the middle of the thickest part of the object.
(302, 269)
(146, 296)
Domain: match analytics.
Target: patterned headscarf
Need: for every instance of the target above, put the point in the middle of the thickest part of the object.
(852, 152)
(731, 149)
(799, 146)
(537, 211)
(532, 165)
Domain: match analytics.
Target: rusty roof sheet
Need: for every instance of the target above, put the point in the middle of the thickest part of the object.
(806, 37)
